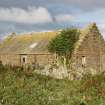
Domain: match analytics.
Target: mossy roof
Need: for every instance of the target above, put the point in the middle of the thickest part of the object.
(35, 43)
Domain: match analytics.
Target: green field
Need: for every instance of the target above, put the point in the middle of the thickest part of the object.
(21, 88)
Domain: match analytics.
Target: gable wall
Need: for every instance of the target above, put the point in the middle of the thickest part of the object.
(93, 48)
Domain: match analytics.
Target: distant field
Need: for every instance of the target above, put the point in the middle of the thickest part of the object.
(20, 88)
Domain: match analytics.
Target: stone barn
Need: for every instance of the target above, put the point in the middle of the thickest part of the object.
(18, 50)
(89, 52)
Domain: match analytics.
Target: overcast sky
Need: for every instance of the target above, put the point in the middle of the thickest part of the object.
(41, 15)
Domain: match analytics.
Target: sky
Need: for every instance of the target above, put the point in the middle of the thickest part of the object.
(23, 16)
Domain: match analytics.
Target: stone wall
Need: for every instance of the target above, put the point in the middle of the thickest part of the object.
(93, 49)
(58, 73)
(11, 59)
(15, 59)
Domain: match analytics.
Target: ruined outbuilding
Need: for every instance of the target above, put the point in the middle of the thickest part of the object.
(88, 55)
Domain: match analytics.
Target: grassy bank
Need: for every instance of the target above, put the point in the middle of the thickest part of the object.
(20, 88)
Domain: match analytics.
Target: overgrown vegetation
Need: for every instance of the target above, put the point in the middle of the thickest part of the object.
(64, 43)
(19, 88)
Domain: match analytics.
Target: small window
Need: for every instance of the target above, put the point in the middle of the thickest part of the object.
(24, 59)
(83, 60)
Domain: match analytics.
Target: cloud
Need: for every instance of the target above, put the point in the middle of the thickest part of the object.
(30, 16)
(64, 18)
(44, 12)
(82, 4)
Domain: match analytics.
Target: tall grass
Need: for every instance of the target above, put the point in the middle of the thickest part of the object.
(19, 88)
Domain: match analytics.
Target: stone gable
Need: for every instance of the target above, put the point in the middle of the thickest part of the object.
(90, 55)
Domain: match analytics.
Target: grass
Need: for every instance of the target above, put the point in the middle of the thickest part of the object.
(20, 88)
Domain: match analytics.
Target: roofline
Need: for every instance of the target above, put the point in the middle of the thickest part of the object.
(26, 53)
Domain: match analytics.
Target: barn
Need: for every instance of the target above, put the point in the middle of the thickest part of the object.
(18, 50)
(89, 52)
